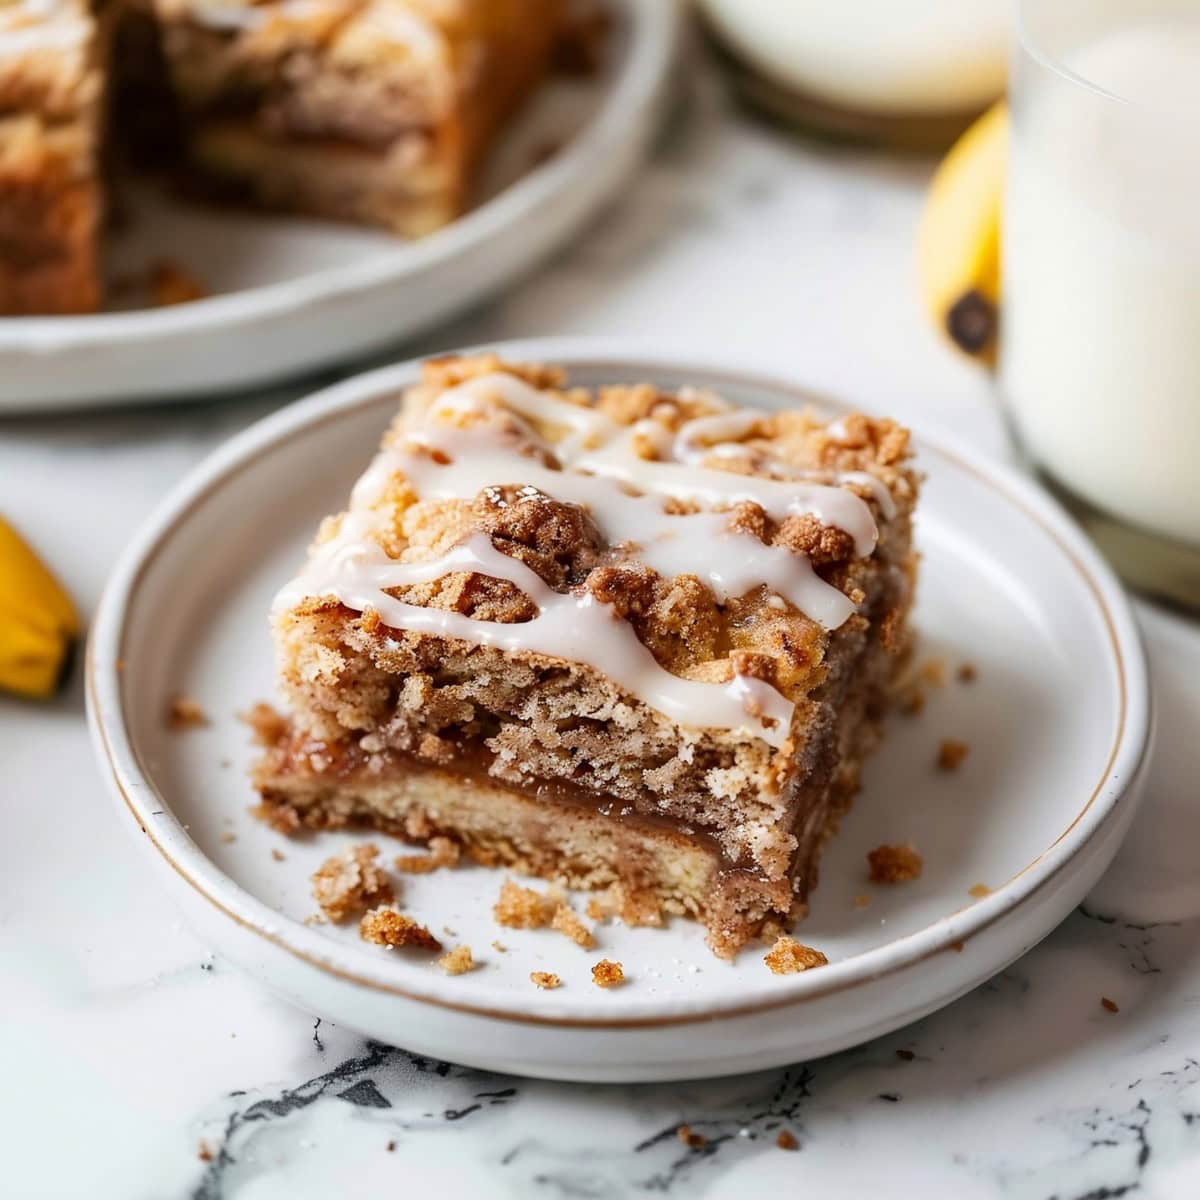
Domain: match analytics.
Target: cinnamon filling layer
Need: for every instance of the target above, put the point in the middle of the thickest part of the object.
(472, 761)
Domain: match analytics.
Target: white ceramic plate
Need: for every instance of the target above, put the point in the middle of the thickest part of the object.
(1057, 724)
(291, 294)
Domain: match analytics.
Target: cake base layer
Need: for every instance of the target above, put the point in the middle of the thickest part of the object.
(659, 870)
(659, 865)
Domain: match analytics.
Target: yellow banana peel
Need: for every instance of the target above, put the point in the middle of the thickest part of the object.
(958, 247)
(38, 622)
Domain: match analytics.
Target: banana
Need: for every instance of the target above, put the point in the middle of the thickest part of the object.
(38, 622)
(958, 247)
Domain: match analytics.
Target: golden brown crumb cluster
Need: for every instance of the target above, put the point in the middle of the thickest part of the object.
(607, 974)
(522, 908)
(951, 754)
(894, 864)
(185, 713)
(389, 927)
(457, 961)
(546, 980)
(525, 908)
(566, 920)
(788, 956)
(346, 884)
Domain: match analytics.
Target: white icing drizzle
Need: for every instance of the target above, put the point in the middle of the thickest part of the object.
(622, 492)
(694, 441)
(671, 545)
(363, 571)
(597, 444)
(702, 438)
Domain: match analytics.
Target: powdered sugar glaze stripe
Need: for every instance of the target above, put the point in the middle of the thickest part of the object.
(359, 577)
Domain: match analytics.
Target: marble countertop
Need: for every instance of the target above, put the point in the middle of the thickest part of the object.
(137, 1066)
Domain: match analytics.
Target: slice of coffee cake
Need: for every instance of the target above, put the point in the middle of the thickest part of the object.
(375, 111)
(625, 639)
(372, 111)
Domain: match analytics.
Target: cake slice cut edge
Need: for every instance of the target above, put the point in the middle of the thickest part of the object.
(498, 642)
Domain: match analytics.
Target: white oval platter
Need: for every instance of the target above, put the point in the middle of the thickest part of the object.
(290, 294)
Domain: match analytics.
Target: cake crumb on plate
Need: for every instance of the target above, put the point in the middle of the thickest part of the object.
(894, 864)
(523, 908)
(933, 672)
(566, 920)
(546, 980)
(690, 1138)
(1109, 1005)
(951, 754)
(348, 883)
(457, 961)
(787, 1140)
(185, 713)
(390, 927)
(607, 973)
(788, 956)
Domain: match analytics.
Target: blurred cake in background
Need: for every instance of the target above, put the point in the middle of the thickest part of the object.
(906, 73)
(373, 111)
(52, 57)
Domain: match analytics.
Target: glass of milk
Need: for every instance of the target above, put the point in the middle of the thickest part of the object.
(1100, 341)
